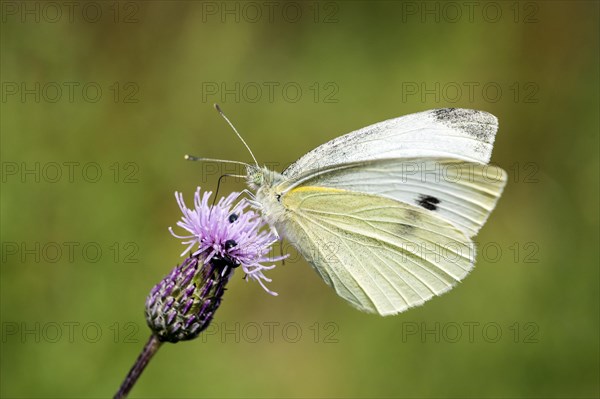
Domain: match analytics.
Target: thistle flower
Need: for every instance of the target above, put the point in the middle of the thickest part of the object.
(228, 232)
(221, 238)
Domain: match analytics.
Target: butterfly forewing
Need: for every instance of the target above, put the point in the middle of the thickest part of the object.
(463, 193)
(381, 255)
(457, 133)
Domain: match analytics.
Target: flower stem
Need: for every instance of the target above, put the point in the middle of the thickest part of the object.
(140, 364)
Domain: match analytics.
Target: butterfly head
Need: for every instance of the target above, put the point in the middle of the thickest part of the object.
(255, 176)
(258, 177)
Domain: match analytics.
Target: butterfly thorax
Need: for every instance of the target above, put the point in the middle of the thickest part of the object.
(266, 182)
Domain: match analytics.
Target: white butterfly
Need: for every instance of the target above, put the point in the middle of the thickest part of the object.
(386, 214)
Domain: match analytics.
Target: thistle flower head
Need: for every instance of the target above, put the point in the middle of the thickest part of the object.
(183, 304)
(220, 238)
(229, 233)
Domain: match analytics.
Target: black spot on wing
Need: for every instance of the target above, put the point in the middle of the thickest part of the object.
(428, 202)
(412, 219)
(404, 229)
(412, 216)
(478, 124)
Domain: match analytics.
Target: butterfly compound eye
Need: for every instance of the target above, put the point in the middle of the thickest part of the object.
(230, 244)
(233, 217)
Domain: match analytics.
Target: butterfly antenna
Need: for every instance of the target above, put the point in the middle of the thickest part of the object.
(189, 157)
(236, 132)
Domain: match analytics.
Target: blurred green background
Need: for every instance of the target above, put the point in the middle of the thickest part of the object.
(101, 100)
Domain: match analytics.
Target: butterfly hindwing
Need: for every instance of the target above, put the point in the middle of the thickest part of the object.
(463, 193)
(381, 255)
